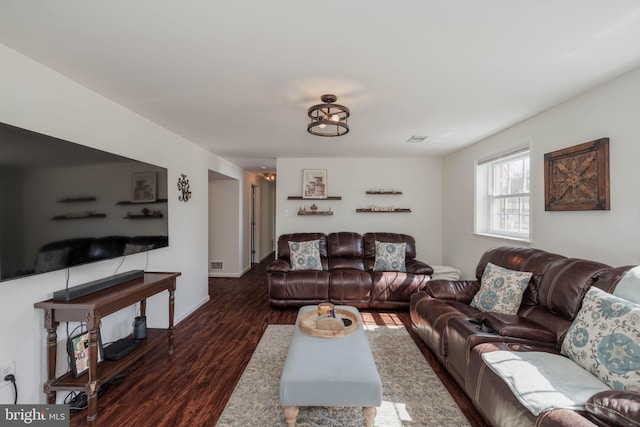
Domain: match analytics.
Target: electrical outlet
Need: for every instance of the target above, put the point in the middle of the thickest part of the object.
(7, 368)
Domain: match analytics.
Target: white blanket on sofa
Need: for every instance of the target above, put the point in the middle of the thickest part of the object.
(544, 381)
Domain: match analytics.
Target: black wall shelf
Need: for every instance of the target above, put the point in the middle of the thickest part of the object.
(301, 198)
(127, 202)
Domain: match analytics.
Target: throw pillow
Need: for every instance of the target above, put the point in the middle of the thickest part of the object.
(501, 290)
(604, 339)
(305, 255)
(390, 256)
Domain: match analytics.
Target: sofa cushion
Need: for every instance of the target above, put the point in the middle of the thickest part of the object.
(604, 338)
(52, 260)
(390, 256)
(501, 290)
(305, 255)
(544, 381)
(614, 407)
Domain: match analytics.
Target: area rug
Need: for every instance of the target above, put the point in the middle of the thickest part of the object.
(412, 393)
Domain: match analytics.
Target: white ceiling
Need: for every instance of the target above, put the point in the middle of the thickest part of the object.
(237, 77)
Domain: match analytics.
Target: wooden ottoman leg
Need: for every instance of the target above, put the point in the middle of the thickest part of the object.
(291, 414)
(369, 413)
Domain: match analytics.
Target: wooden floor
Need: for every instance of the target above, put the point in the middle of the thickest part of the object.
(212, 348)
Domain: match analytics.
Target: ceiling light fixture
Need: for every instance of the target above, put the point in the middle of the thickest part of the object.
(269, 176)
(328, 119)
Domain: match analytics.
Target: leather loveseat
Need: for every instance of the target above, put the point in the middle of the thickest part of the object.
(461, 336)
(346, 274)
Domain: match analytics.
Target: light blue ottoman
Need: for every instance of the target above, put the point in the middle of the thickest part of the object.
(330, 372)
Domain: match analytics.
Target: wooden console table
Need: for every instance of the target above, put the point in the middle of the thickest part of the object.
(90, 309)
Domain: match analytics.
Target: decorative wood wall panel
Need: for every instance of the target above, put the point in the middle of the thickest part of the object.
(577, 178)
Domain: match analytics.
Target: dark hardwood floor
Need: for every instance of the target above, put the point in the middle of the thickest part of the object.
(212, 348)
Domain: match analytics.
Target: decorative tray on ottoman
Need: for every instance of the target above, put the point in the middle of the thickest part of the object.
(309, 319)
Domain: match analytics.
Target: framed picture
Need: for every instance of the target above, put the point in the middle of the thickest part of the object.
(78, 351)
(143, 187)
(577, 178)
(314, 183)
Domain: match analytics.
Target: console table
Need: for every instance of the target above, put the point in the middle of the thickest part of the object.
(90, 309)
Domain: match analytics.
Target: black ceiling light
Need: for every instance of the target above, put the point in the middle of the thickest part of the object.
(328, 119)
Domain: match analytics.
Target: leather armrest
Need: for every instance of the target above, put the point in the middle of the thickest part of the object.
(615, 407)
(509, 325)
(453, 290)
(279, 265)
(418, 267)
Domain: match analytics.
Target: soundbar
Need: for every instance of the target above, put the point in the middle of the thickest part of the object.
(96, 285)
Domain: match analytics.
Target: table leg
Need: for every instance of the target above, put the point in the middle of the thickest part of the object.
(291, 414)
(52, 346)
(93, 323)
(171, 311)
(369, 413)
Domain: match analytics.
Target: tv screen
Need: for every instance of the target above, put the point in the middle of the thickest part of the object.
(64, 204)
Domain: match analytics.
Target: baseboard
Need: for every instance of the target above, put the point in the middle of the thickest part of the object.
(193, 308)
(235, 275)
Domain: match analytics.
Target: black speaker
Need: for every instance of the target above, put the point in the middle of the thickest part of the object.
(140, 328)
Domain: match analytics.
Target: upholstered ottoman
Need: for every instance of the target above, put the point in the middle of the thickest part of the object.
(330, 372)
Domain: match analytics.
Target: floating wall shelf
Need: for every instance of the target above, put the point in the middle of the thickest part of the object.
(315, 213)
(301, 198)
(396, 210)
(67, 217)
(383, 192)
(77, 199)
(127, 202)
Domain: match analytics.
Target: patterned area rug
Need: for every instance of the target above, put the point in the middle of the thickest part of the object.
(412, 393)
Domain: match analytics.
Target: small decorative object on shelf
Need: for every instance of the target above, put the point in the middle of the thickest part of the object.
(183, 186)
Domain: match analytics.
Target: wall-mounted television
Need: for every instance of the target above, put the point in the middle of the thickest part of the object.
(64, 204)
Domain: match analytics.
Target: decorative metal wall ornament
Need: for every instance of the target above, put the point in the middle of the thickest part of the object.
(183, 186)
(577, 178)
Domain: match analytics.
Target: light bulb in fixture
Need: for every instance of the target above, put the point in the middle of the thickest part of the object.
(335, 118)
(322, 126)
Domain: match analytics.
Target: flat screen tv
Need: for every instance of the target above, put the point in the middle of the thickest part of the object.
(63, 204)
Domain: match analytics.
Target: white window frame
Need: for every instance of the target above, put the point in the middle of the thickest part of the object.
(484, 195)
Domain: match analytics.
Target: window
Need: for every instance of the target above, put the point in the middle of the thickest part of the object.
(502, 195)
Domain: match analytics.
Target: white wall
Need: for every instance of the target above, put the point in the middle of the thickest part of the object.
(419, 180)
(611, 110)
(224, 214)
(39, 99)
(267, 219)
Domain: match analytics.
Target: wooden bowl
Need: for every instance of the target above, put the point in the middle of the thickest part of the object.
(308, 324)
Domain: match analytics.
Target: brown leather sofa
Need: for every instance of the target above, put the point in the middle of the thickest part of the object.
(347, 276)
(459, 335)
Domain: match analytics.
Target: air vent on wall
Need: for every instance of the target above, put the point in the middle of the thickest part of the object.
(216, 265)
(417, 138)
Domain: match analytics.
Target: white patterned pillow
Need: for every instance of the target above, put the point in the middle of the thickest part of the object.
(390, 256)
(501, 290)
(305, 255)
(604, 339)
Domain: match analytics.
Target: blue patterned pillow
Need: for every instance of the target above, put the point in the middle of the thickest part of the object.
(501, 290)
(604, 339)
(390, 256)
(305, 255)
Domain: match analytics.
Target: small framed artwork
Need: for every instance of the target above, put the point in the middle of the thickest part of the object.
(143, 187)
(78, 351)
(577, 178)
(314, 183)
